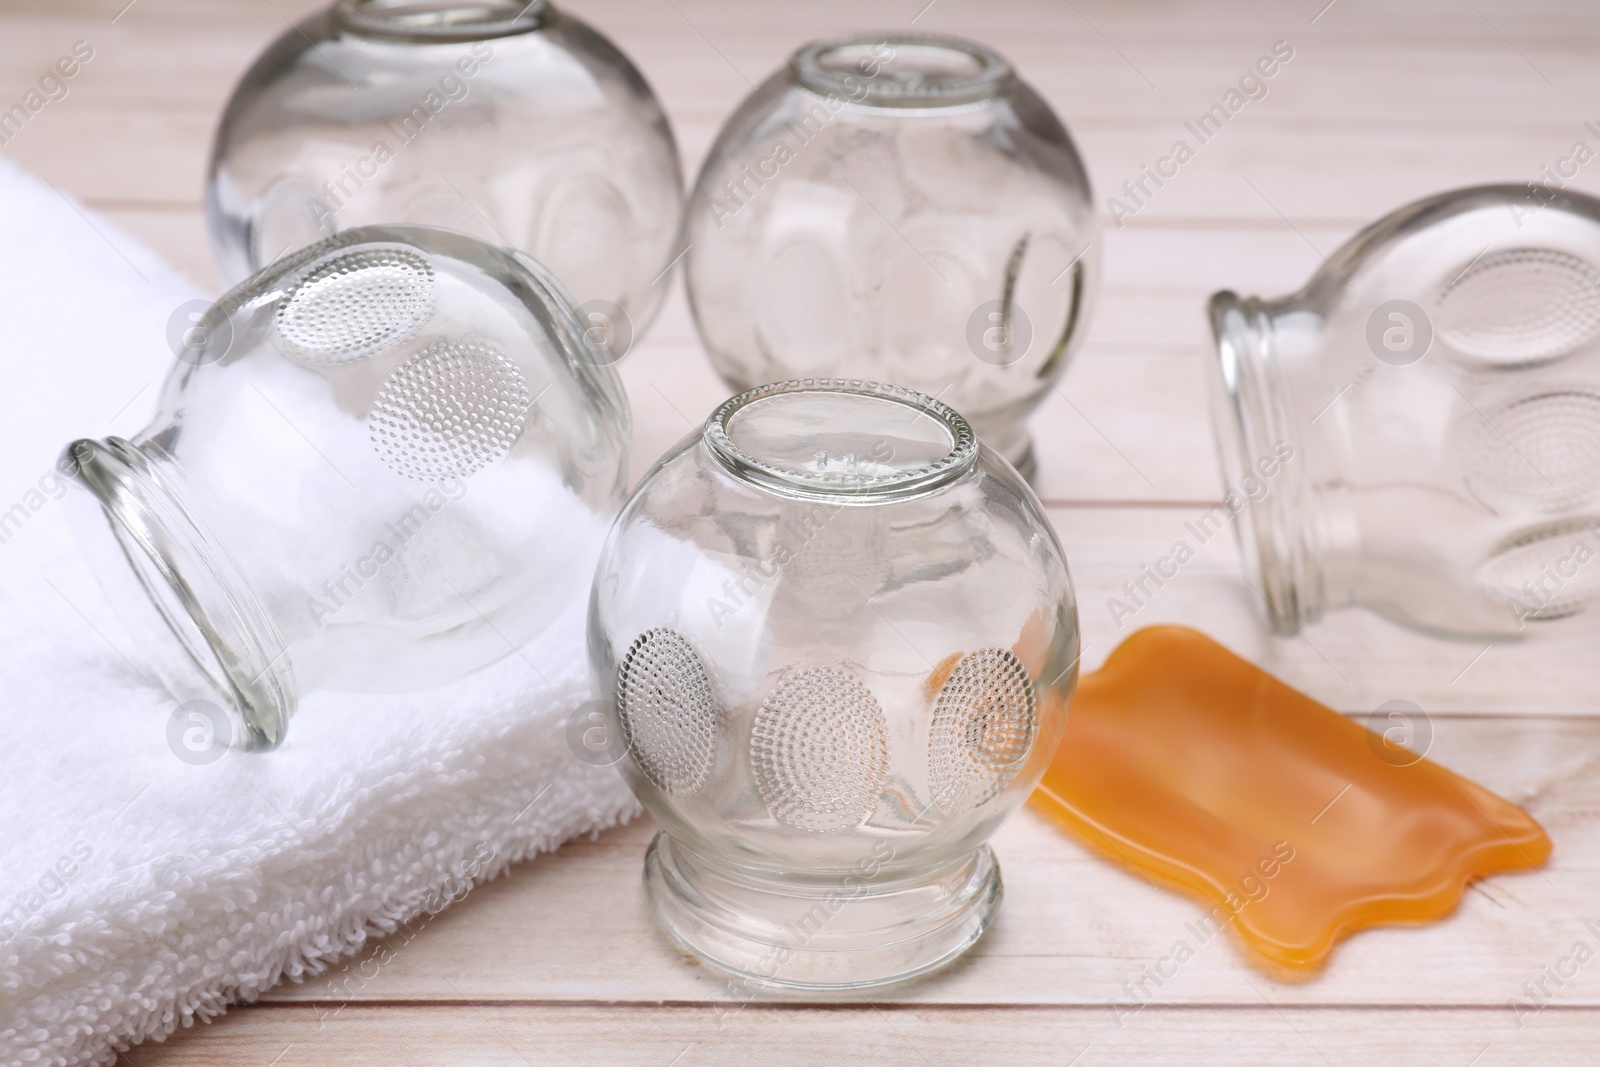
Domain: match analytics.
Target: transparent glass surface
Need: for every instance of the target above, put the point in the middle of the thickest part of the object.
(840, 638)
(381, 463)
(1418, 430)
(902, 208)
(509, 121)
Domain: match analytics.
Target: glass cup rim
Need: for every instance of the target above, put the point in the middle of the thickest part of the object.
(992, 75)
(435, 21)
(843, 486)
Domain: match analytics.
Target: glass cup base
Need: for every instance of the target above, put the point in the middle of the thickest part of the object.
(853, 933)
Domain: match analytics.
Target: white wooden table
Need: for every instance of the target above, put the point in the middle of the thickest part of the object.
(1381, 103)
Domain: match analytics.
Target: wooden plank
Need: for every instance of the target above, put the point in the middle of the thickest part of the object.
(161, 154)
(1198, 21)
(177, 236)
(1352, 659)
(1492, 71)
(690, 1035)
(133, 67)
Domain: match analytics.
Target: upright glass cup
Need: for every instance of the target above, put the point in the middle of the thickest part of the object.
(1418, 429)
(507, 120)
(839, 637)
(381, 463)
(898, 207)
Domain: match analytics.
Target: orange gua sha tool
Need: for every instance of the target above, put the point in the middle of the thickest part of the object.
(1196, 767)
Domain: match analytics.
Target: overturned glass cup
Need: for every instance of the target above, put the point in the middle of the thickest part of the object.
(381, 463)
(504, 119)
(839, 637)
(901, 207)
(1417, 431)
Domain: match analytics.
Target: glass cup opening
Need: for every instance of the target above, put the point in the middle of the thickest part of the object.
(201, 630)
(1248, 422)
(439, 20)
(902, 70)
(852, 441)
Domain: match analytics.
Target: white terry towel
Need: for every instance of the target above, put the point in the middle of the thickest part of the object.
(138, 892)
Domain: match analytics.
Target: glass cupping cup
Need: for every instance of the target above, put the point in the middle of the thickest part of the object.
(903, 208)
(1417, 430)
(839, 638)
(509, 121)
(386, 460)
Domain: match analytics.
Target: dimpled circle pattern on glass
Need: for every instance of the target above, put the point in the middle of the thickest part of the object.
(668, 712)
(1523, 568)
(983, 726)
(820, 750)
(1540, 450)
(355, 304)
(1521, 305)
(449, 411)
